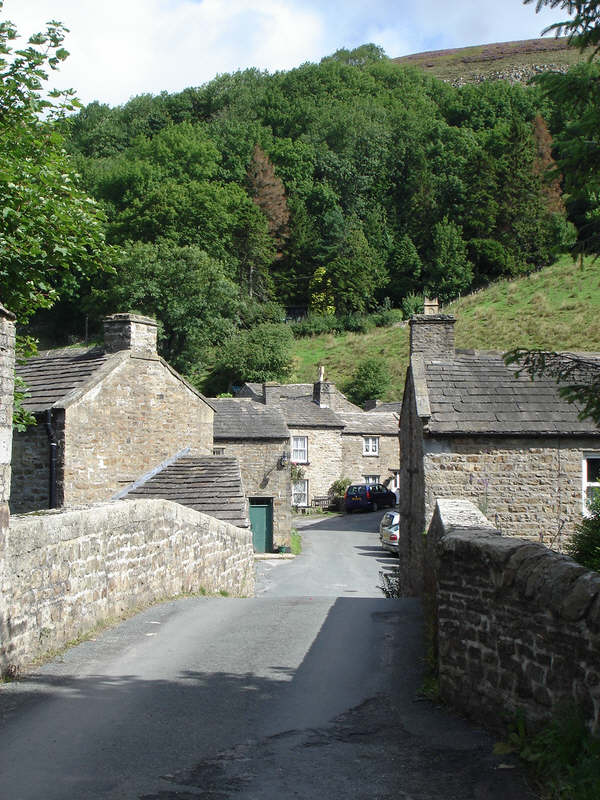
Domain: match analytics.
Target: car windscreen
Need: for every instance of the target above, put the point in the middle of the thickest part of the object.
(354, 490)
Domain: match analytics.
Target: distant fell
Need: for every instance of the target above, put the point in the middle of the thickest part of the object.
(516, 62)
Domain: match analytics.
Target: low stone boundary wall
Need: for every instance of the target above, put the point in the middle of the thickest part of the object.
(64, 572)
(516, 626)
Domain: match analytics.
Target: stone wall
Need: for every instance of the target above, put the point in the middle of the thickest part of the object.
(140, 414)
(7, 377)
(68, 571)
(517, 625)
(263, 477)
(528, 487)
(325, 463)
(356, 465)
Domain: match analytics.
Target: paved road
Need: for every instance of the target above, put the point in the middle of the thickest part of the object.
(308, 690)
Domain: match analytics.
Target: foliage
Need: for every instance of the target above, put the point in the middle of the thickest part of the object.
(51, 232)
(296, 472)
(261, 354)
(578, 376)
(338, 488)
(583, 28)
(584, 546)
(412, 304)
(189, 293)
(369, 381)
(563, 757)
(295, 542)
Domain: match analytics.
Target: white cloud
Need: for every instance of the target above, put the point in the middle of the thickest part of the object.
(120, 48)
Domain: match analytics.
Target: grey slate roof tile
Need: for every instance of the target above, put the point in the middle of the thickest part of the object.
(370, 424)
(52, 374)
(244, 418)
(210, 484)
(478, 393)
(300, 412)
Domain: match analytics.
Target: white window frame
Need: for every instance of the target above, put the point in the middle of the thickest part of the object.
(372, 480)
(370, 445)
(587, 484)
(300, 493)
(299, 453)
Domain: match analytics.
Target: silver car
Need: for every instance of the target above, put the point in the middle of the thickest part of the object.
(389, 531)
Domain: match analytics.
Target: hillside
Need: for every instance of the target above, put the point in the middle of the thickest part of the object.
(517, 62)
(555, 308)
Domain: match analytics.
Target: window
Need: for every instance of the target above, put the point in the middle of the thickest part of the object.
(218, 451)
(370, 445)
(300, 449)
(371, 479)
(591, 478)
(300, 493)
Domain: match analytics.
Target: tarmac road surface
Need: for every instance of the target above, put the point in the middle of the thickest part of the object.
(309, 690)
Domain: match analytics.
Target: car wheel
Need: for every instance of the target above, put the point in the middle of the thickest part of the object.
(374, 506)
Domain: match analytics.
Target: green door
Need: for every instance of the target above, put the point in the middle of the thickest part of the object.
(261, 522)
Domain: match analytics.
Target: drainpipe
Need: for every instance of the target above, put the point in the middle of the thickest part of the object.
(53, 448)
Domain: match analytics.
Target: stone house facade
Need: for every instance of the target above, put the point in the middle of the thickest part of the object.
(257, 436)
(470, 429)
(330, 438)
(105, 417)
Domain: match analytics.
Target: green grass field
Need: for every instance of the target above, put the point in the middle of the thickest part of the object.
(557, 308)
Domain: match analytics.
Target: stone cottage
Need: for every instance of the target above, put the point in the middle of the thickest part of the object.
(470, 429)
(110, 418)
(258, 437)
(330, 437)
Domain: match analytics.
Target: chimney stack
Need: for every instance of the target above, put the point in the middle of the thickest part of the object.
(130, 332)
(432, 335)
(271, 393)
(323, 391)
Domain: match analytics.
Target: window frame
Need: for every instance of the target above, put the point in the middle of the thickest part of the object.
(585, 483)
(304, 449)
(218, 451)
(304, 492)
(370, 482)
(371, 446)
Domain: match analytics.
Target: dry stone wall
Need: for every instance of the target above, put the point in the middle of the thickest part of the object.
(67, 571)
(517, 625)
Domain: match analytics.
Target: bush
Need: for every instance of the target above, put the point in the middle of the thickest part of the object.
(316, 324)
(261, 354)
(337, 490)
(387, 317)
(584, 547)
(356, 323)
(369, 381)
(412, 304)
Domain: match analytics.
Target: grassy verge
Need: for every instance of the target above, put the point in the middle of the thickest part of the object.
(563, 758)
(295, 542)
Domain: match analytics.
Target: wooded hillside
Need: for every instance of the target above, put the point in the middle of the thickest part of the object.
(336, 187)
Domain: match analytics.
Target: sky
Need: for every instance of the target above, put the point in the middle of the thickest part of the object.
(121, 48)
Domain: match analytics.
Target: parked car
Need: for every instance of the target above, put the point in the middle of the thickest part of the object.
(389, 531)
(368, 495)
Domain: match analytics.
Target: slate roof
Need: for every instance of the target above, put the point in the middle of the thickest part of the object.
(244, 418)
(210, 484)
(53, 374)
(476, 393)
(300, 412)
(298, 391)
(370, 424)
(385, 408)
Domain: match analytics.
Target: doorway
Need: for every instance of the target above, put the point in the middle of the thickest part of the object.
(261, 523)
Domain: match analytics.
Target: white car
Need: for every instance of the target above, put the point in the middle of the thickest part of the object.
(389, 531)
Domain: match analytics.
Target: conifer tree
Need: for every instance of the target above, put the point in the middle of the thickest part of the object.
(268, 192)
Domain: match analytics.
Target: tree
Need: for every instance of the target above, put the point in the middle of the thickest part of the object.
(583, 29)
(268, 192)
(449, 271)
(261, 354)
(369, 381)
(51, 232)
